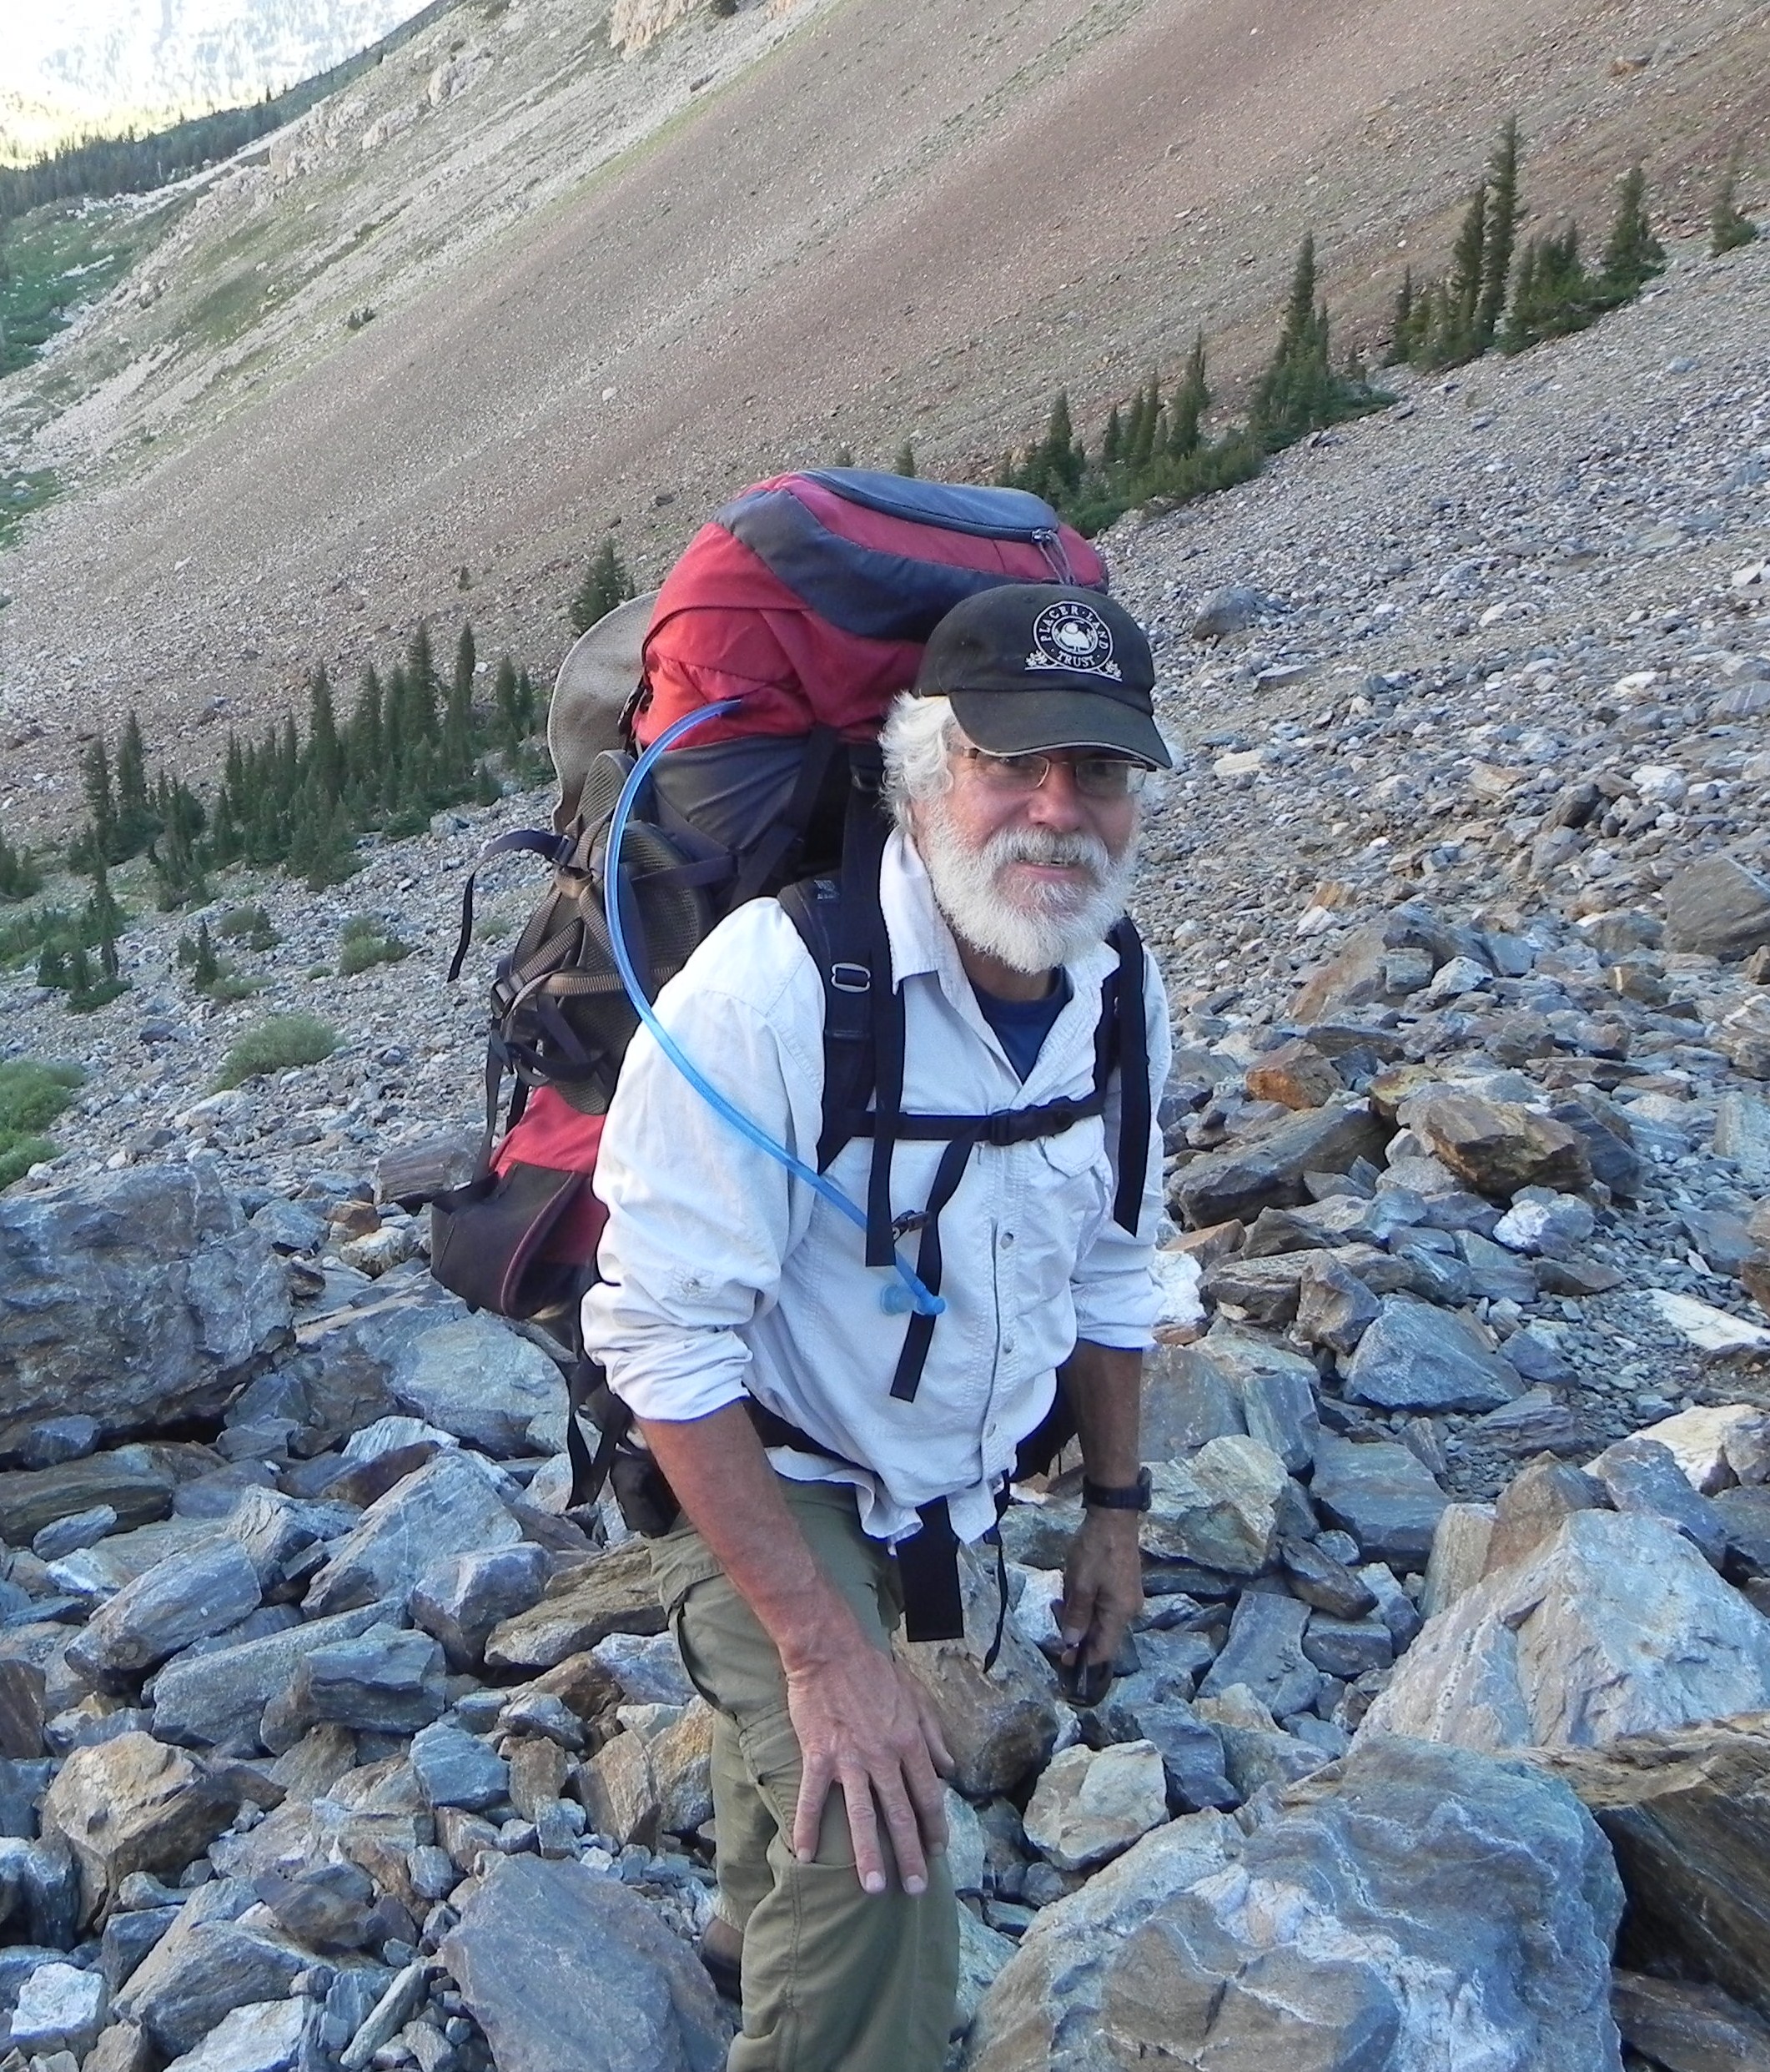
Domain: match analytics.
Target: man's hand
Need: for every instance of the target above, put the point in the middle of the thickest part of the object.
(1102, 1586)
(865, 1723)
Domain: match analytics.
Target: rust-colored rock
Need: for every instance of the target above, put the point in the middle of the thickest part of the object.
(1498, 1147)
(1295, 1074)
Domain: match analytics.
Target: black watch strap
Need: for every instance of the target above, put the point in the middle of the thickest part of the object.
(1127, 1496)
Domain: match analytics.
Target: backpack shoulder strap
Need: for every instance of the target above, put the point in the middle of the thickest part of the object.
(1122, 1043)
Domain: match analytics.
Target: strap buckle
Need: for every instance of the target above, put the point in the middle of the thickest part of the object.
(847, 977)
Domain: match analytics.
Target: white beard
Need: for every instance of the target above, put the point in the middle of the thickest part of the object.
(1036, 926)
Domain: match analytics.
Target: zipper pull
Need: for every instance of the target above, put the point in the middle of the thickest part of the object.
(1050, 544)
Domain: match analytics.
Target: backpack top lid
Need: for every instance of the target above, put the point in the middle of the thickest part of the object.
(810, 596)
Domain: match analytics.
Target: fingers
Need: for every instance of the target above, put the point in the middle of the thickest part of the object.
(934, 1734)
(808, 1819)
(906, 1835)
(863, 1831)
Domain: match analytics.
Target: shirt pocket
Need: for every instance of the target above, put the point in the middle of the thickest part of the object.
(1067, 1180)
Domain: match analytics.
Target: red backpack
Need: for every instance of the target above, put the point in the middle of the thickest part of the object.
(808, 599)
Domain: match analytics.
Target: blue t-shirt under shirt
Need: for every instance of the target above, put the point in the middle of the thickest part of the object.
(1022, 1026)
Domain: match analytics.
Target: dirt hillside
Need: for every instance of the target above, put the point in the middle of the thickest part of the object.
(521, 282)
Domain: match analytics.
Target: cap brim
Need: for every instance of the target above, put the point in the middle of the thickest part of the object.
(1029, 723)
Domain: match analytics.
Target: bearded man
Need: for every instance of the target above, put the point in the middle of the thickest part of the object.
(1013, 771)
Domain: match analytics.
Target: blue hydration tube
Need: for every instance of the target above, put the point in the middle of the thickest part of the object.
(895, 1300)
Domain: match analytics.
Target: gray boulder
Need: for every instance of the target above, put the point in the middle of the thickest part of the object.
(1615, 1626)
(456, 1768)
(475, 1377)
(1415, 1357)
(1265, 1653)
(559, 1967)
(462, 1599)
(1382, 1495)
(449, 1506)
(264, 2036)
(143, 1296)
(181, 1599)
(215, 1700)
(1266, 1172)
(1360, 1927)
(384, 1681)
(1719, 906)
(1222, 1509)
(1642, 1475)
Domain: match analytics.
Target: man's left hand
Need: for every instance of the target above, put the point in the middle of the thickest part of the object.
(1102, 1586)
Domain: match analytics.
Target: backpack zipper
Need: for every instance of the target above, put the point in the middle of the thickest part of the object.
(1050, 544)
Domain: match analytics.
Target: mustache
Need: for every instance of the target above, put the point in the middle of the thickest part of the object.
(1046, 846)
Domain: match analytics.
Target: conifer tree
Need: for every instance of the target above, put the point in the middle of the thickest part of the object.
(366, 747)
(100, 839)
(1504, 207)
(1112, 439)
(905, 463)
(607, 584)
(1633, 254)
(1060, 460)
(1190, 401)
(1139, 443)
(52, 964)
(19, 876)
(324, 762)
(174, 853)
(1455, 341)
(458, 715)
(1401, 323)
(1728, 229)
(421, 684)
(205, 966)
(136, 825)
(103, 921)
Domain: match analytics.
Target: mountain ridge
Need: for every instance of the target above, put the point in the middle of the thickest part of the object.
(769, 236)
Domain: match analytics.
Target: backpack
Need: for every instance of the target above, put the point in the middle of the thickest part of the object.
(807, 600)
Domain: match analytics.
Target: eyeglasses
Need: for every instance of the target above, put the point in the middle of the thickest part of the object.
(1095, 777)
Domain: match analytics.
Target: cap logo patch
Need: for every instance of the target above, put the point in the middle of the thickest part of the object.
(1073, 635)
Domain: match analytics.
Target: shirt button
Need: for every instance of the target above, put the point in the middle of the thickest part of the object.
(1008, 1343)
(1006, 1242)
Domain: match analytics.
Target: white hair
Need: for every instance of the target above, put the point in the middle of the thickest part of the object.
(916, 739)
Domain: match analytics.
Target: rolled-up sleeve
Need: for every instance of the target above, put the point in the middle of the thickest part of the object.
(701, 1218)
(1113, 1290)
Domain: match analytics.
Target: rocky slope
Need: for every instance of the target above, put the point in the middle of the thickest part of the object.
(618, 259)
(313, 1699)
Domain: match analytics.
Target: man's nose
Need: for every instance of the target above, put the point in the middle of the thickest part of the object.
(1057, 803)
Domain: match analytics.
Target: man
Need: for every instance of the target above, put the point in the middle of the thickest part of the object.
(1013, 771)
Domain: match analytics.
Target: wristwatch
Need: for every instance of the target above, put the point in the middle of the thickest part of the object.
(1126, 1496)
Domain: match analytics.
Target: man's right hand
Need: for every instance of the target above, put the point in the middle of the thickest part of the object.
(864, 1722)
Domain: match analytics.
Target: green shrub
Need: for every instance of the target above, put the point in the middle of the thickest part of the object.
(276, 1044)
(250, 925)
(363, 942)
(31, 1095)
(1728, 226)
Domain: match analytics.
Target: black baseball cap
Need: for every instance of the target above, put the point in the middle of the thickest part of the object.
(1030, 667)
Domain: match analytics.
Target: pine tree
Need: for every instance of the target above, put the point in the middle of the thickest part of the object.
(102, 921)
(1300, 391)
(1633, 254)
(174, 853)
(1060, 460)
(1112, 439)
(1457, 340)
(1139, 443)
(323, 763)
(52, 964)
(1191, 400)
(365, 746)
(136, 825)
(905, 463)
(458, 714)
(607, 584)
(843, 456)
(1554, 294)
(205, 966)
(1401, 323)
(100, 838)
(421, 685)
(1505, 207)
(19, 876)
(1728, 227)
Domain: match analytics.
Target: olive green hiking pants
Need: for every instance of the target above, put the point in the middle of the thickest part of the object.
(834, 1980)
